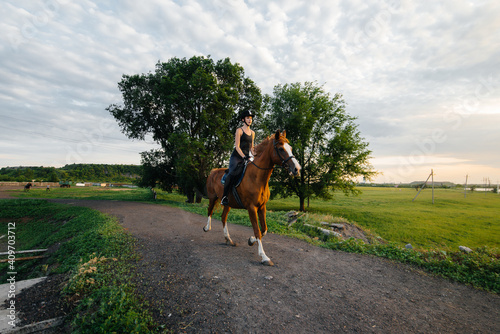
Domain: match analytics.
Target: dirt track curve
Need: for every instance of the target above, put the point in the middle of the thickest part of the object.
(197, 284)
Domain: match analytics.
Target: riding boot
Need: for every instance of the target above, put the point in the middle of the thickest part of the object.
(227, 186)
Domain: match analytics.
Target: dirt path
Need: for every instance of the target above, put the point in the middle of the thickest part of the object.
(197, 284)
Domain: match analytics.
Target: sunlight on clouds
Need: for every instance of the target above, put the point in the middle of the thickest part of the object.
(415, 160)
(493, 108)
(455, 173)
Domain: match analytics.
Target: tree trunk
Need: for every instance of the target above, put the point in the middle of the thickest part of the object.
(302, 204)
(199, 195)
(190, 196)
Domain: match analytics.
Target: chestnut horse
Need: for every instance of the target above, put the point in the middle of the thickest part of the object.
(254, 188)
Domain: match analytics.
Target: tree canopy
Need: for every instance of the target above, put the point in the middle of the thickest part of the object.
(189, 106)
(325, 140)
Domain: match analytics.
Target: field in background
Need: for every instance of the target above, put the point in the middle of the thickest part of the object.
(450, 222)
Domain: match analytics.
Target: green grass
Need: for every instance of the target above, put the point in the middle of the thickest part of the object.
(450, 222)
(102, 298)
(97, 193)
(387, 214)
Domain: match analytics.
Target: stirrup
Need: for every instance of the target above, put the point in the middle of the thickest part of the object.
(224, 201)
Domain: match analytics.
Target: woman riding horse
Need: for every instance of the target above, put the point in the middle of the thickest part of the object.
(254, 188)
(243, 145)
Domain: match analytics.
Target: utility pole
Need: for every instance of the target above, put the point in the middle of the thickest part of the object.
(432, 173)
(465, 186)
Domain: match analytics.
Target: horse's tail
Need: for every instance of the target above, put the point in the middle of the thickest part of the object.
(210, 190)
(213, 181)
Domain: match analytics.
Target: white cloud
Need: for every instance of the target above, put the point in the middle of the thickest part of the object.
(405, 68)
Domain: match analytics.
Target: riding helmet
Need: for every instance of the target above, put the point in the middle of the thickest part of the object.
(246, 113)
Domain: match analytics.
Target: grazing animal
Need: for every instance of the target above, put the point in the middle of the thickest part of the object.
(28, 186)
(254, 188)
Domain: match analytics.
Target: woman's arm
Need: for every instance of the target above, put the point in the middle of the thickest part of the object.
(237, 137)
(252, 147)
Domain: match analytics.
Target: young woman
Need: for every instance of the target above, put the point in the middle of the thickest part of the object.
(243, 145)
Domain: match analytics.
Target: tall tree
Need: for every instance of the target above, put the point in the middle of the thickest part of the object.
(325, 139)
(189, 108)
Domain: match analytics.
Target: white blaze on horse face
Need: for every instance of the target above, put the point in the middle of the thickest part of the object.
(288, 150)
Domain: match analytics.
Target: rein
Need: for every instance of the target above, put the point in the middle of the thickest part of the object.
(283, 160)
(253, 163)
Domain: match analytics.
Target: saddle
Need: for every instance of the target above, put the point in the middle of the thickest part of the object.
(239, 176)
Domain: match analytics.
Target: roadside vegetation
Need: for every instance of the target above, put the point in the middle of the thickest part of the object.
(387, 215)
(95, 254)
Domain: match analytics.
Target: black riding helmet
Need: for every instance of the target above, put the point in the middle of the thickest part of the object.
(246, 113)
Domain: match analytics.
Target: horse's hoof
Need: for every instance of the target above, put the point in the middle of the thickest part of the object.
(250, 242)
(231, 243)
(268, 263)
(205, 229)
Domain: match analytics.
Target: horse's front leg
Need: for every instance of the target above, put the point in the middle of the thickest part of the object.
(262, 219)
(252, 212)
(225, 212)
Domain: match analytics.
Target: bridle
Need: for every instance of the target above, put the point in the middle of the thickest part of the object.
(283, 160)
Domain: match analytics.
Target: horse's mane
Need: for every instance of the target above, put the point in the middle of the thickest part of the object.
(259, 149)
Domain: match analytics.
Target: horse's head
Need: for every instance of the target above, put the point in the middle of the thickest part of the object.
(284, 156)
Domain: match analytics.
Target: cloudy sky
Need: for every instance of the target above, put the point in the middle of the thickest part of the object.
(422, 78)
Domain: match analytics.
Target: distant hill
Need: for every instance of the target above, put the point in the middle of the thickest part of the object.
(73, 172)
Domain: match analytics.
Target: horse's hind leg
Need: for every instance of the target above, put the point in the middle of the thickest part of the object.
(211, 206)
(225, 212)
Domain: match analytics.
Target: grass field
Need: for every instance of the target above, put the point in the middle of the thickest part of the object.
(92, 249)
(435, 230)
(390, 213)
(450, 222)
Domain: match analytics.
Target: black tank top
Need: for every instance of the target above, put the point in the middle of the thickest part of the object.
(245, 142)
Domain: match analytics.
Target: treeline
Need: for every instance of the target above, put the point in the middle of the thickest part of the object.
(192, 108)
(74, 172)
